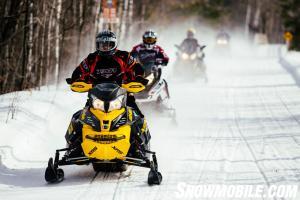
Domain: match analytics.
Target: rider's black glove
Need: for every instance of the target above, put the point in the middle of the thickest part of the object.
(141, 80)
(69, 81)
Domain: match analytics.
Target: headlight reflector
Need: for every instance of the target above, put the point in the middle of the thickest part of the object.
(98, 104)
(222, 41)
(116, 104)
(193, 56)
(185, 56)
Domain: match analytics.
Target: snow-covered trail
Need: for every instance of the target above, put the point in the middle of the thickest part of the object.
(241, 128)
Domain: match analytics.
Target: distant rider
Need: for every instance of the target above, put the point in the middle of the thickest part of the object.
(149, 51)
(190, 44)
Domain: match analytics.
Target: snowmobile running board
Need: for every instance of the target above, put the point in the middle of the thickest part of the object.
(85, 160)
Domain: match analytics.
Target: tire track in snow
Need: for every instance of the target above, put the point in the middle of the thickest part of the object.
(281, 159)
(89, 188)
(252, 153)
(103, 183)
(290, 112)
(118, 183)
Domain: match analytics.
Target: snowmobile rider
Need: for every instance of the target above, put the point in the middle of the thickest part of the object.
(190, 44)
(108, 64)
(149, 51)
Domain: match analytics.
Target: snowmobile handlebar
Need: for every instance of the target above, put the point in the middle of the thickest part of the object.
(179, 48)
(202, 47)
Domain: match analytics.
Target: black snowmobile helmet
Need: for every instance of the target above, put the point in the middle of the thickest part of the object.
(106, 43)
(107, 93)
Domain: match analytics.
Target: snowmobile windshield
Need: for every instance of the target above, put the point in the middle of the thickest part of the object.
(150, 78)
(148, 67)
(107, 97)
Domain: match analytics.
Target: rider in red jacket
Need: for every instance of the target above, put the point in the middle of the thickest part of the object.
(108, 63)
(149, 51)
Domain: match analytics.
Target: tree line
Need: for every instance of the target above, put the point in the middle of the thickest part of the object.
(36, 35)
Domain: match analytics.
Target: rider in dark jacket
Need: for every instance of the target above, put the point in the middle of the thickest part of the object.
(190, 44)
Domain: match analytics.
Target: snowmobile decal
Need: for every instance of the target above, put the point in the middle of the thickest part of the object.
(92, 151)
(117, 150)
(106, 139)
(130, 114)
(105, 150)
(70, 128)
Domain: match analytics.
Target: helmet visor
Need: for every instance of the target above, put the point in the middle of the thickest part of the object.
(149, 40)
(106, 45)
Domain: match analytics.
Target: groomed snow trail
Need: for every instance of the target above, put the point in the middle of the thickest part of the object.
(243, 127)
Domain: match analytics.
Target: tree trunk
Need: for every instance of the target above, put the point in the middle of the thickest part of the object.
(248, 17)
(29, 77)
(49, 40)
(124, 20)
(57, 44)
(97, 20)
(24, 46)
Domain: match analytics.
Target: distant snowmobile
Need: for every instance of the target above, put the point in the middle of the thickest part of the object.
(112, 134)
(222, 46)
(190, 64)
(156, 94)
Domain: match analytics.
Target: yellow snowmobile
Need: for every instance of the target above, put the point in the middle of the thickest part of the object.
(112, 135)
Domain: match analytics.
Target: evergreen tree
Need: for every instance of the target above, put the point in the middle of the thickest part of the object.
(291, 17)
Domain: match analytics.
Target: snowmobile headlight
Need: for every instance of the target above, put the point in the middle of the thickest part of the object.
(185, 56)
(116, 104)
(222, 41)
(98, 104)
(193, 56)
(150, 78)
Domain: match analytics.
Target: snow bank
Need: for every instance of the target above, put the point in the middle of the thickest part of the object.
(290, 60)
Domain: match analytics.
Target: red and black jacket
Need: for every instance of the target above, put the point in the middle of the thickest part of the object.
(145, 55)
(120, 68)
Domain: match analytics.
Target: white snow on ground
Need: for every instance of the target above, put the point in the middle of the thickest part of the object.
(243, 127)
(293, 57)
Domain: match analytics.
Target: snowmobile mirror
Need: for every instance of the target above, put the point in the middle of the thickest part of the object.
(81, 87)
(133, 87)
(177, 46)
